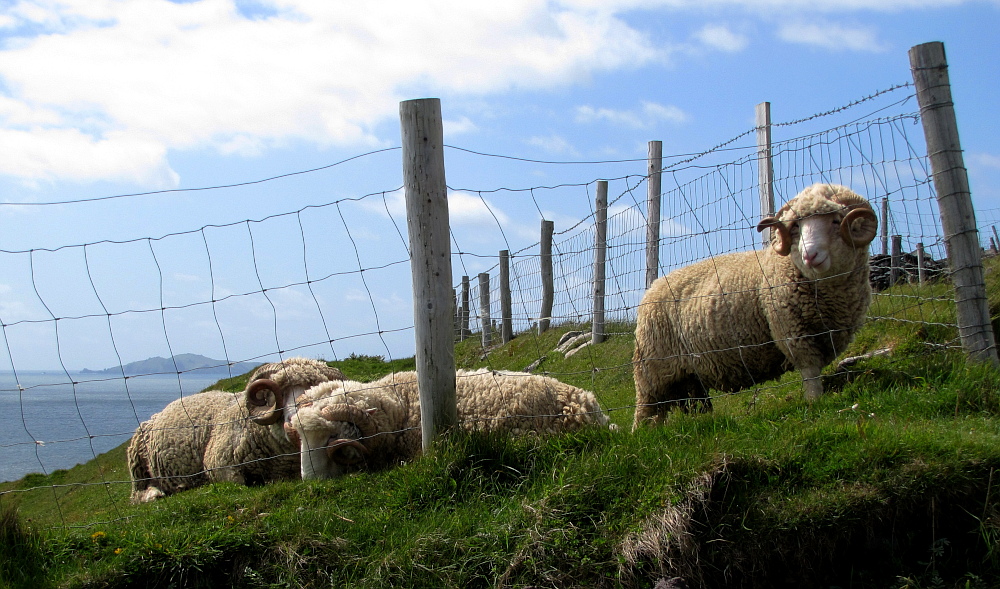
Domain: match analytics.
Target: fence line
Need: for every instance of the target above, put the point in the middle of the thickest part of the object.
(709, 205)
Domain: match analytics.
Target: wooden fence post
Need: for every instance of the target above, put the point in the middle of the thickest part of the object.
(921, 265)
(600, 259)
(548, 283)
(896, 259)
(885, 225)
(506, 313)
(484, 309)
(951, 182)
(654, 167)
(765, 166)
(464, 329)
(430, 263)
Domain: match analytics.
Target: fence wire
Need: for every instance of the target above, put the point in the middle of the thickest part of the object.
(288, 300)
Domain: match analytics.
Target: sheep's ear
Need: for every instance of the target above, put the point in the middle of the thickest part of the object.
(781, 240)
(859, 227)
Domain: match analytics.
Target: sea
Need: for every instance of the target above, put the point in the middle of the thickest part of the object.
(55, 420)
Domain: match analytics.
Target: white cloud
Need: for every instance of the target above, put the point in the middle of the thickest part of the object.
(986, 160)
(457, 127)
(832, 36)
(720, 37)
(111, 76)
(648, 114)
(553, 144)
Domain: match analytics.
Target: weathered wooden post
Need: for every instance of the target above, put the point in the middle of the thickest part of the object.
(885, 225)
(996, 237)
(506, 312)
(600, 259)
(430, 263)
(921, 267)
(951, 182)
(765, 166)
(896, 259)
(484, 309)
(654, 167)
(548, 284)
(464, 329)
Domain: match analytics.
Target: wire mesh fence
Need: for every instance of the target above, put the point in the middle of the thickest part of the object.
(273, 285)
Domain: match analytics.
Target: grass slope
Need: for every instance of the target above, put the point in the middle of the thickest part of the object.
(887, 482)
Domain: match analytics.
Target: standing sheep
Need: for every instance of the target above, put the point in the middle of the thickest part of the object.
(739, 319)
(346, 425)
(220, 436)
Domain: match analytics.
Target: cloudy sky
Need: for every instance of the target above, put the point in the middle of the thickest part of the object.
(101, 98)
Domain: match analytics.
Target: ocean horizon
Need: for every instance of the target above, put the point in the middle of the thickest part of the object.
(62, 419)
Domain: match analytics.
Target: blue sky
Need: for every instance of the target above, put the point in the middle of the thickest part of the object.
(101, 98)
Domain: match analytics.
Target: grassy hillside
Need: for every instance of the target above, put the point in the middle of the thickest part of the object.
(887, 482)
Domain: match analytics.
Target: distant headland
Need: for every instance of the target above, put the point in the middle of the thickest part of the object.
(183, 363)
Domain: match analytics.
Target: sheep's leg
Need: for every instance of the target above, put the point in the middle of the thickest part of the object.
(812, 384)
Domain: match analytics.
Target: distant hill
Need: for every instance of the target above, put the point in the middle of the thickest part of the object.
(181, 363)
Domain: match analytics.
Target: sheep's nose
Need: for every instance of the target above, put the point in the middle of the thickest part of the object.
(809, 257)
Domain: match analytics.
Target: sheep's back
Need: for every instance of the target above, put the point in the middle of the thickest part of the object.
(706, 319)
(175, 439)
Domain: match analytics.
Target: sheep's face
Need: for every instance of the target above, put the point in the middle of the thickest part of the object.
(332, 439)
(817, 249)
(825, 230)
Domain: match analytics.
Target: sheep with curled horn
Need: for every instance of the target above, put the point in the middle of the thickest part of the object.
(739, 319)
(219, 436)
(346, 426)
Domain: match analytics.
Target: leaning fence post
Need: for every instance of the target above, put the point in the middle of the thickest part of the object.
(484, 309)
(430, 262)
(995, 236)
(548, 285)
(600, 258)
(951, 182)
(765, 166)
(506, 313)
(464, 329)
(654, 174)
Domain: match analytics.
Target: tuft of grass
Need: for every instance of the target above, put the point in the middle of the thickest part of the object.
(23, 562)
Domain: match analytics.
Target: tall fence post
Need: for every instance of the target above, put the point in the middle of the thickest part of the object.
(600, 259)
(430, 263)
(885, 225)
(506, 312)
(484, 309)
(548, 284)
(654, 167)
(921, 265)
(464, 328)
(896, 260)
(951, 182)
(765, 166)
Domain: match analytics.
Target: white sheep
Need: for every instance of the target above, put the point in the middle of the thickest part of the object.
(347, 425)
(219, 436)
(739, 319)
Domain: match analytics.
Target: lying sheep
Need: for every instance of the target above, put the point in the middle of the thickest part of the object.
(739, 319)
(220, 436)
(344, 426)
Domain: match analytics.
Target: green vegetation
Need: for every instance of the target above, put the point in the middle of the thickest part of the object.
(889, 481)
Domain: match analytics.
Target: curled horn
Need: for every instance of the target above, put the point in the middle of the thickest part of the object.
(333, 451)
(351, 414)
(783, 245)
(867, 233)
(262, 411)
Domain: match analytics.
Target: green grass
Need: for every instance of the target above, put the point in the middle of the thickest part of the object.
(888, 481)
